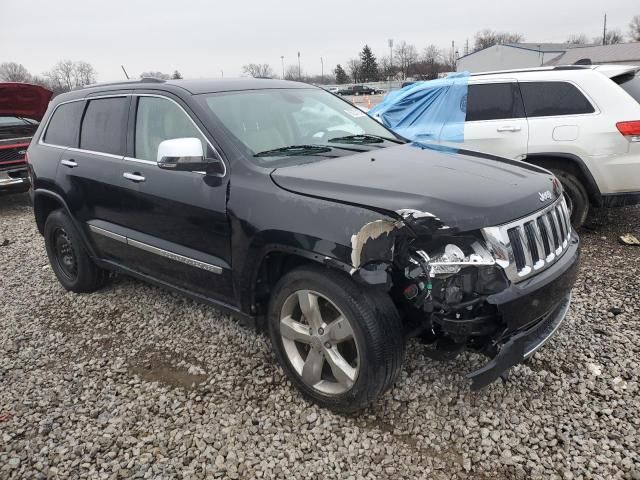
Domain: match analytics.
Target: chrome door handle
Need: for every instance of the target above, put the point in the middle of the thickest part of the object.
(69, 163)
(134, 177)
(509, 128)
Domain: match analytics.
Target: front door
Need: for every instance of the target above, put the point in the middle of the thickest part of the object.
(176, 223)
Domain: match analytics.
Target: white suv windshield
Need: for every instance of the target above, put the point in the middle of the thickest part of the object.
(276, 123)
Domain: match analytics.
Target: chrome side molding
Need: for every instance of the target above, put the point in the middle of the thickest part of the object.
(157, 251)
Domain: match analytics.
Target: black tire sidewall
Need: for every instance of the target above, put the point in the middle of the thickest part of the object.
(578, 195)
(87, 276)
(361, 392)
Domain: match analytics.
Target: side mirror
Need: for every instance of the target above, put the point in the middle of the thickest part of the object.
(187, 155)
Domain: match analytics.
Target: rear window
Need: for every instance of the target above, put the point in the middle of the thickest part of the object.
(630, 83)
(493, 101)
(546, 99)
(104, 125)
(63, 126)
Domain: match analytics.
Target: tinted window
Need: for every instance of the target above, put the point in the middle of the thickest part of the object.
(630, 83)
(104, 125)
(158, 120)
(63, 127)
(494, 101)
(543, 99)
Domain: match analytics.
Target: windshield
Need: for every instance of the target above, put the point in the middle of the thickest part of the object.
(305, 124)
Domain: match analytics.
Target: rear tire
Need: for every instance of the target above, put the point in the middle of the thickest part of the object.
(69, 261)
(576, 196)
(372, 342)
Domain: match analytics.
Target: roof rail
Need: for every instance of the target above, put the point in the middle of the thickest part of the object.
(125, 82)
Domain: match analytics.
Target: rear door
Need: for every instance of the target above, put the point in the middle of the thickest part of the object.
(89, 172)
(495, 122)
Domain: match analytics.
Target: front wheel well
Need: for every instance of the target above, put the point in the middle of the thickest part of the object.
(273, 267)
(43, 205)
(575, 167)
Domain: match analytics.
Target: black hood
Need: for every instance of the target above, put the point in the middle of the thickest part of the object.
(465, 190)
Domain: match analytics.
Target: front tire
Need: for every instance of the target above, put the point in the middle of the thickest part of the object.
(576, 196)
(69, 261)
(339, 343)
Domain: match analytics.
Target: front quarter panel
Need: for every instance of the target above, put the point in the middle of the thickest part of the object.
(265, 218)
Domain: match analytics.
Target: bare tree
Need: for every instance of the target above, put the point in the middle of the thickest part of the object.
(430, 64)
(634, 28)
(354, 67)
(14, 72)
(578, 39)
(386, 68)
(85, 74)
(155, 74)
(487, 38)
(611, 38)
(258, 70)
(67, 75)
(291, 73)
(405, 55)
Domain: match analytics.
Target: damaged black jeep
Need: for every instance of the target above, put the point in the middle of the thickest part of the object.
(281, 203)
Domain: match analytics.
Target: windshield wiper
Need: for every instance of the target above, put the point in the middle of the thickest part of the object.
(294, 150)
(363, 139)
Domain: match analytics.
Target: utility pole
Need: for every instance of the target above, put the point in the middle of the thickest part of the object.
(466, 47)
(299, 69)
(604, 31)
(322, 70)
(282, 60)
(221, 73)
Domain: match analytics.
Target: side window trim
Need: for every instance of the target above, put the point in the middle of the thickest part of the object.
(45, 128)
(84, 112)
(516, 88)
(165, 97)
(594, 105)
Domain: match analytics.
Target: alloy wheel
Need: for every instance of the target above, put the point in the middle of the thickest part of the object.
(319, 342)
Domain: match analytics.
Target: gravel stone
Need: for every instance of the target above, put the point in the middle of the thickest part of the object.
(137, 382)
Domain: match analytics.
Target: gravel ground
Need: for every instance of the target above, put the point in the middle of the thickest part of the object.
(137, 382)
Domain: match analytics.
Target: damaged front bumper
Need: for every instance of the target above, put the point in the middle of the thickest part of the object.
(14, 180)
(532, 310)
(520, 346)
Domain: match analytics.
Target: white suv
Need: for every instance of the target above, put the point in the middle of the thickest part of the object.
(581, 122)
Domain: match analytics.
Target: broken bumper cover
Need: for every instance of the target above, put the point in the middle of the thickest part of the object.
(520, 347)
(533, 310)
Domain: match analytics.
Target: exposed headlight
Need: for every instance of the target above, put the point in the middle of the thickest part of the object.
(451, 259)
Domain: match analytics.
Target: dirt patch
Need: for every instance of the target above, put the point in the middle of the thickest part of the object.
(160, 367)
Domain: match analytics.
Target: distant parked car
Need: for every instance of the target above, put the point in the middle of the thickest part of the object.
(356, 90)
(21, 108)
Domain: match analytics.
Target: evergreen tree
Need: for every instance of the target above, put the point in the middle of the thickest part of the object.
(369, 65)
(176, 75)
(341, 75)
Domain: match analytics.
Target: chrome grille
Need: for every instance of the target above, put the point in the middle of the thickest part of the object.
(526, 246)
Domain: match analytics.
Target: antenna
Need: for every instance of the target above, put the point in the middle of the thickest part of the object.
(125, 72)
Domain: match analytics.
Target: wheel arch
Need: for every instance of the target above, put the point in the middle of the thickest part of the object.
(45, 202)
(572, 164)
(274, 261)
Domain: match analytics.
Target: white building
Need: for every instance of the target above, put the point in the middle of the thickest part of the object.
(531, 55)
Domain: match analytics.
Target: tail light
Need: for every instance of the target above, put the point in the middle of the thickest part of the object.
(631, 130)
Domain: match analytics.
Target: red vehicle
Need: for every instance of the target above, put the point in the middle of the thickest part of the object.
(21, 108)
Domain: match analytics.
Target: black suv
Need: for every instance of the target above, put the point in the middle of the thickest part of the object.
(281, 203)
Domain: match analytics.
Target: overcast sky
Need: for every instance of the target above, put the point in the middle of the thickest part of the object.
(202, 38)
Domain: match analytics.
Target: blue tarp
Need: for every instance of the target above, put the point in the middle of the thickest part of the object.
(427, 112)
